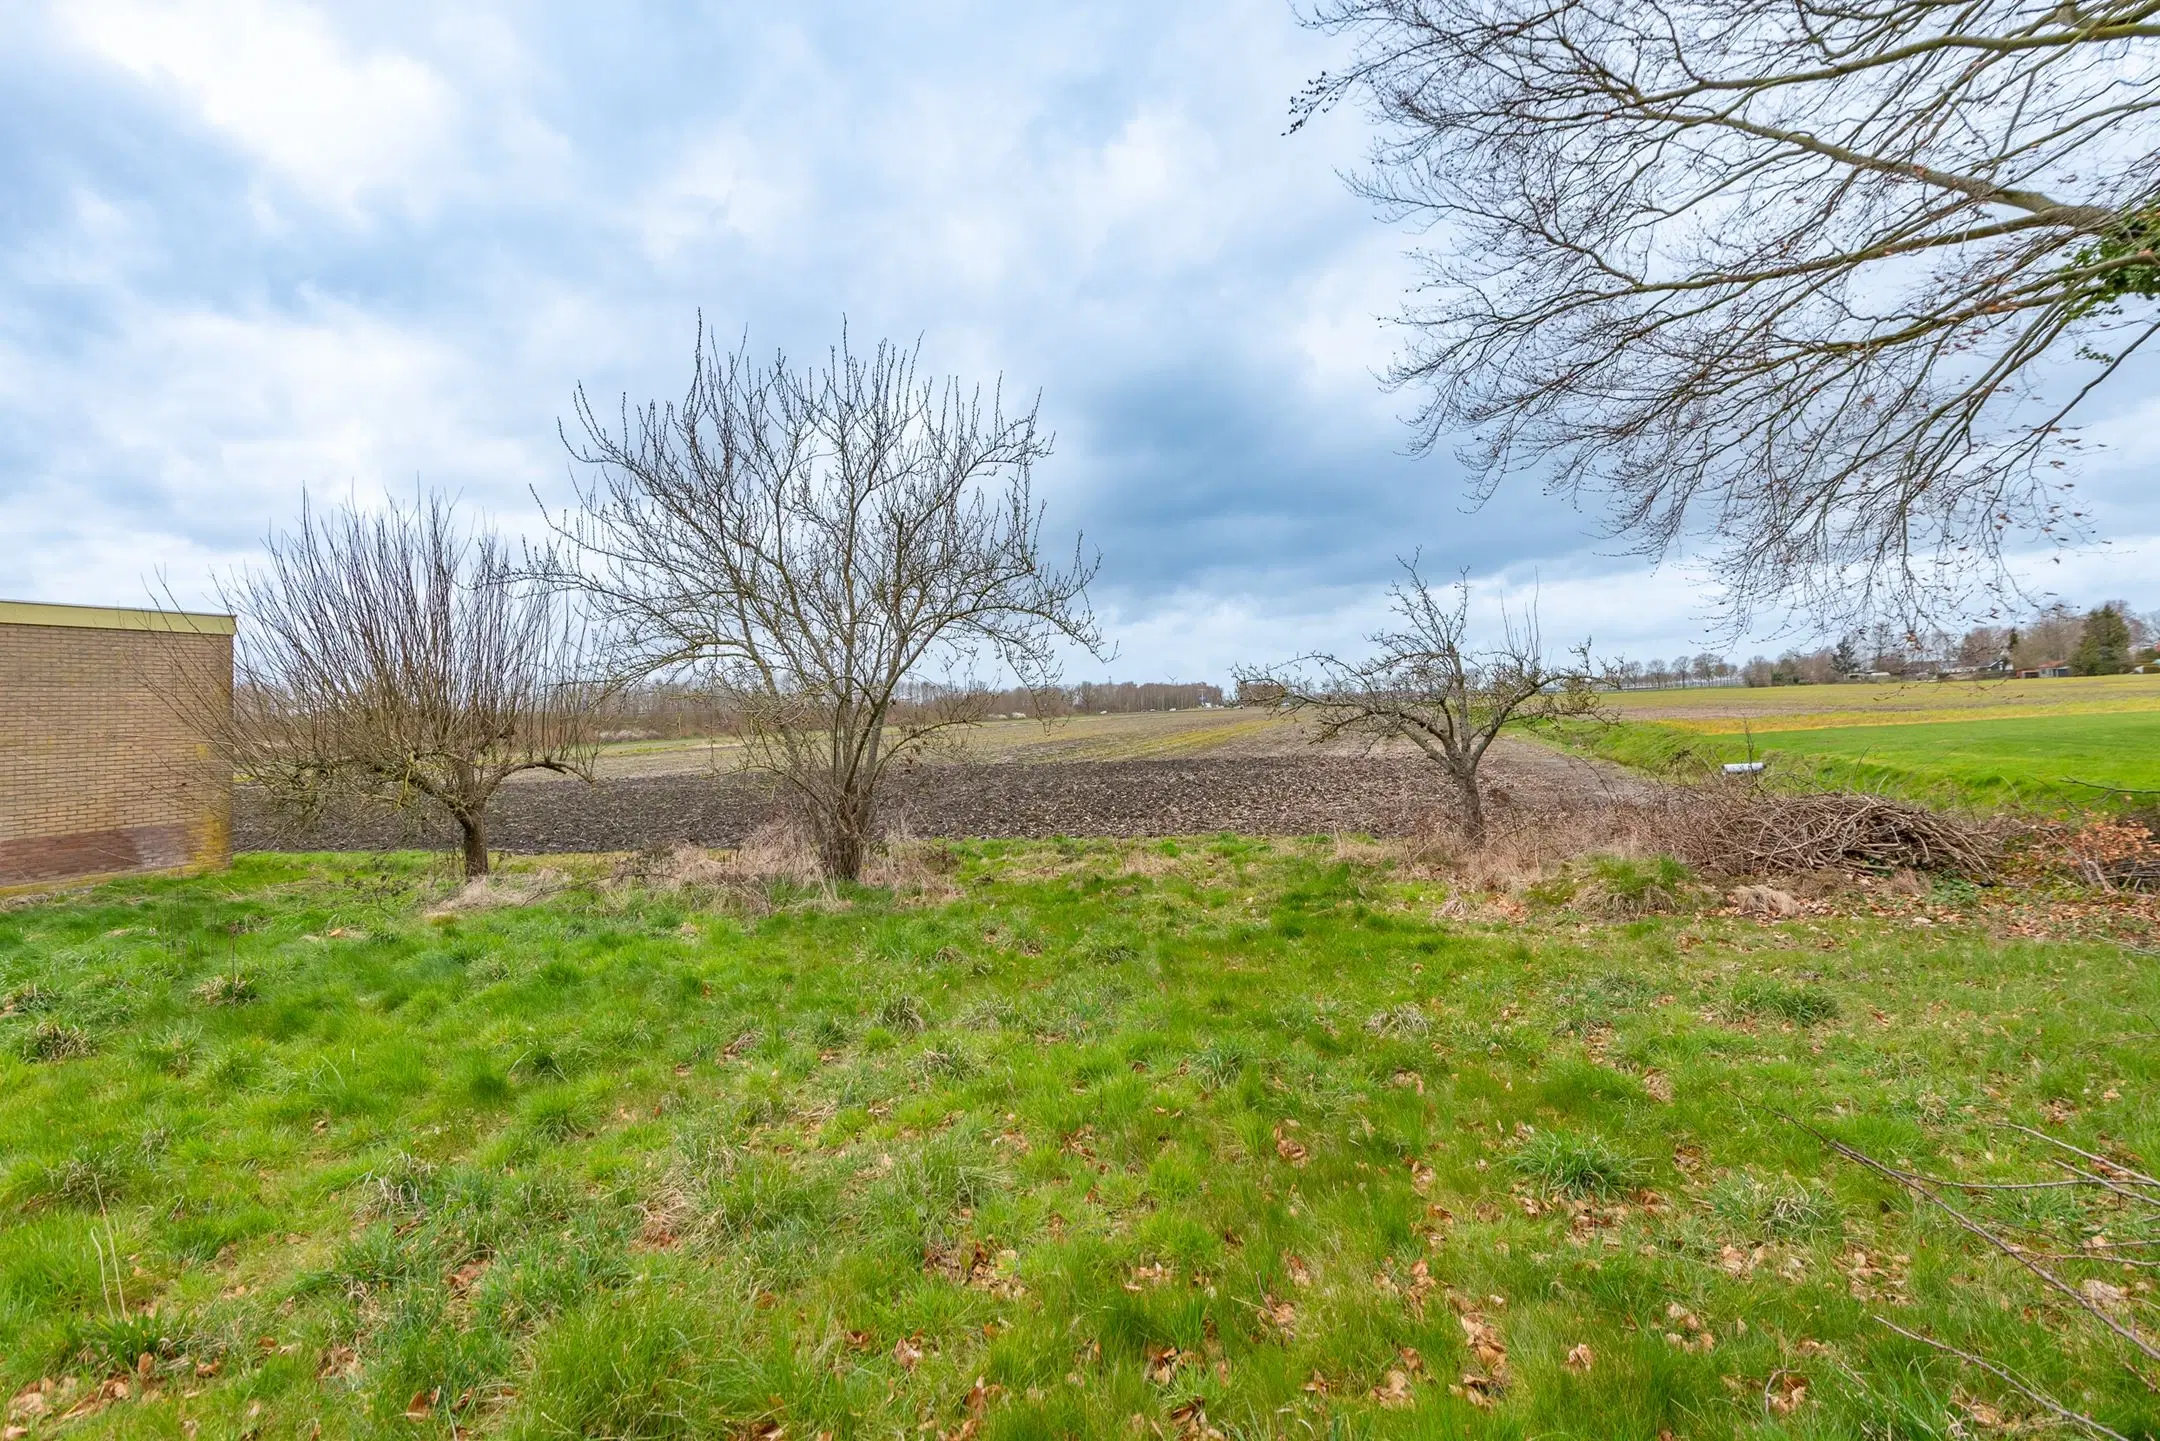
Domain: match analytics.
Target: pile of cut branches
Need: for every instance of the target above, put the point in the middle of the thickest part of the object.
(1762, 832)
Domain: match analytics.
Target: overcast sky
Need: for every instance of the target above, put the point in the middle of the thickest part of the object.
(250, 247)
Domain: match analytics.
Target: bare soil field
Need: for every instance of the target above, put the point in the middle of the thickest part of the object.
(1159, 735)
(1255, 784)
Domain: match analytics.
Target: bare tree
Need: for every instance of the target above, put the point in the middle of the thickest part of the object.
(397, 658)
(1777, 273)
(813, 540)
(1427, 683)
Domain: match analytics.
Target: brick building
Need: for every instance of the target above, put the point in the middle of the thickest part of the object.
(105, 764)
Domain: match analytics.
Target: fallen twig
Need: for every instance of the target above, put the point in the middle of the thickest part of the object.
(2076, 1417)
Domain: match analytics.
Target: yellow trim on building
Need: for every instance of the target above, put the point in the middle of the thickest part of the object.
(104, 617)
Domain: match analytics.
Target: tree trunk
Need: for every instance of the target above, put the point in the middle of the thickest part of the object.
(844, 837)
(1473, 806)
(473, 831)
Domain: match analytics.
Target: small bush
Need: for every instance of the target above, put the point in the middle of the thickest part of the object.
(1564, 1163)
(1760, 997)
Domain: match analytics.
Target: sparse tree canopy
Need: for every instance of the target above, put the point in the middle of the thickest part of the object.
(395, 657)
(813, 540)
(1779, 274)
(1430, 684)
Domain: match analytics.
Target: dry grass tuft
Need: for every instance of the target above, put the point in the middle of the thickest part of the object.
(920, 870)
(493, 892)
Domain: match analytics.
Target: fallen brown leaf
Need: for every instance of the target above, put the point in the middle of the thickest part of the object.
(1394, 1393)
(1288, 1149)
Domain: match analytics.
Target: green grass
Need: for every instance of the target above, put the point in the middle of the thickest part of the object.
(1119, 1130)
(2026, 762)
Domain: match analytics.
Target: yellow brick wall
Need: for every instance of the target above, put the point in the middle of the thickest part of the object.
(103, 763)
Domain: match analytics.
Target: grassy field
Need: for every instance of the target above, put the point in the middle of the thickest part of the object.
(1185, 1138)
(1720, 710)
(2017, 743)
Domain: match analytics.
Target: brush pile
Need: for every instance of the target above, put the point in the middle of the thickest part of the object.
(1760, 832)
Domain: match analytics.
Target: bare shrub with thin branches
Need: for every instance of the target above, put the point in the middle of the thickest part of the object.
(1428, 683)
(814, 543)
(1797, 275)
(397, 658)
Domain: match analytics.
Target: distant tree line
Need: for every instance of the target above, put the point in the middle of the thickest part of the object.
(2110, 639)
(1681, 670)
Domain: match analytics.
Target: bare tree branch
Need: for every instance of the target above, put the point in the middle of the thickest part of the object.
(397, 658)
(812, 541)
(1429, 685)
(1803, 282)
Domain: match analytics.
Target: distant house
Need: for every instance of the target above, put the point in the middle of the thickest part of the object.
(2045, 669)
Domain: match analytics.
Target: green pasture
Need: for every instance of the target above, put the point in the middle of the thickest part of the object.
(2034, 762)
(1216, 1137)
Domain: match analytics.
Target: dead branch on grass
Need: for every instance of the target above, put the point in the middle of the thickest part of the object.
(2009, 1378)
(2127, 1187)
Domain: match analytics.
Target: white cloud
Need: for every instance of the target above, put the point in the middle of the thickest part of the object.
(189, 438)
(276, 79)
(724, 183)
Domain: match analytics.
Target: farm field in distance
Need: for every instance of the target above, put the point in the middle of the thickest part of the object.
(1235, 1137)
(2022, 743)
(1140, 735)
